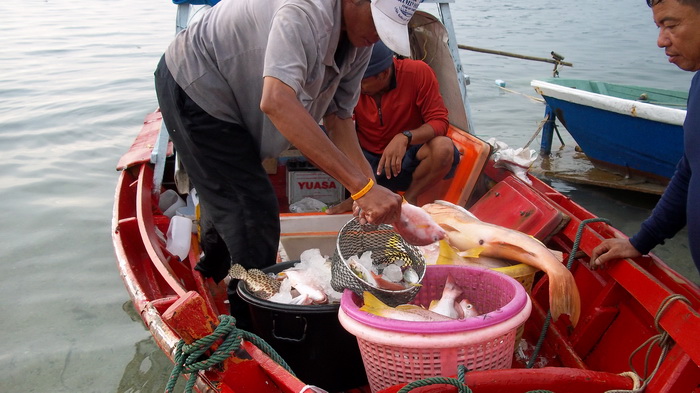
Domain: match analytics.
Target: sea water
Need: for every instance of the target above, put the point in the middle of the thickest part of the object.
(76, 80)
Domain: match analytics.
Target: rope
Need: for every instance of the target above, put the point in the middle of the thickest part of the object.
(539, 128)
(457, 382)
(637, 386)
(662, 339)
(189, 359)
(536, 99)
(570, 262)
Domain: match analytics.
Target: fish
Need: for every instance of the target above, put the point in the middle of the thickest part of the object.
(361, 271)
(403, 312)
(410, 276)
(416, 227)
(465, 232)
(448, 255)
(383, 283)
(448, 300)
(259, 283)
(305, 286)
(465, 309)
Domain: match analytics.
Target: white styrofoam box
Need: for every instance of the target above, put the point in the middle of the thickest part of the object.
(313, 184)
(301, 232)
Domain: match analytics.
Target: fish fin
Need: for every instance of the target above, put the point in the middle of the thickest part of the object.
(447, 255)
(448, 227)
(433, 304)
(372, 304)
(474, 252)
(456, 207)
(408, 307)
(557, 254)
(511, 251)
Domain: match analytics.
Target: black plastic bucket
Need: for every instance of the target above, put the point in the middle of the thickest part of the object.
(309, 338)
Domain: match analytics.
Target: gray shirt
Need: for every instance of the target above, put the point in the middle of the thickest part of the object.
(220, 62)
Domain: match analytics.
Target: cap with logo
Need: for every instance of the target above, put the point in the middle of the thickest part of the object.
(391, 19)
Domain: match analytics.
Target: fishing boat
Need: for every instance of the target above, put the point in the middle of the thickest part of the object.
(632, 131)
(632, 308)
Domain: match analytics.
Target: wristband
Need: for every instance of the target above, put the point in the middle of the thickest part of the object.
(363, 191)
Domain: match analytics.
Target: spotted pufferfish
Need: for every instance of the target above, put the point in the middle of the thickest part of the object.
(259, 283)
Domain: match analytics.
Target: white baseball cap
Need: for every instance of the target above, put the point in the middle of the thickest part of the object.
(391, 19)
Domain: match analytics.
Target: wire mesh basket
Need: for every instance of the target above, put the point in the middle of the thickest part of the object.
(387, 248)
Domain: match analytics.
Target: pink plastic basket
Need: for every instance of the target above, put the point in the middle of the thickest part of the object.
(395, 352)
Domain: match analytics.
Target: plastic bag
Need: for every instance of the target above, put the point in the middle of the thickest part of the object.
(307, 205)
(517, 160)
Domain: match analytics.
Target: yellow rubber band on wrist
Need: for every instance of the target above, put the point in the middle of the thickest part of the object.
(363, 191)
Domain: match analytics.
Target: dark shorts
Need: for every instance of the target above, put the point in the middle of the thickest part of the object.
(408, 166)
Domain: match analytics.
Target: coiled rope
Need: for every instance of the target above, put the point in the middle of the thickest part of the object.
(663, 340)
(188, 357)
(570, 262)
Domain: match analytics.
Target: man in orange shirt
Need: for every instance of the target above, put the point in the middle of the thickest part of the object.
(401, 123)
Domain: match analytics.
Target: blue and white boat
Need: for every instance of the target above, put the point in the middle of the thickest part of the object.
(633, 131)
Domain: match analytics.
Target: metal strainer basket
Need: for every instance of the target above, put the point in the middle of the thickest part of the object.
(387, 247)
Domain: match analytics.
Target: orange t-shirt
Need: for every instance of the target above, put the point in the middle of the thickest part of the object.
(413, 101)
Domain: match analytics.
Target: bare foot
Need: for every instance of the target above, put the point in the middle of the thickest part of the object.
(343, 207)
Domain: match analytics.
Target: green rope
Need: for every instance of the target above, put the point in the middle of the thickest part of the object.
(570, 262)
(188, 358)
(457, 382)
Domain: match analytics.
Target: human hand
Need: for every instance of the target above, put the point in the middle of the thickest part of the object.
(392, 157)
(610, 249)
(378, 206)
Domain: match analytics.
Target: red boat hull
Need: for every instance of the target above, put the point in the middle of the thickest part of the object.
(619, 304)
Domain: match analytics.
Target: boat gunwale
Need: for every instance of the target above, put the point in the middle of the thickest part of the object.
(621, 106)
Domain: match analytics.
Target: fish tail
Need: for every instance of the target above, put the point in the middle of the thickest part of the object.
(451, 288)
(372, 304)
(564, 297)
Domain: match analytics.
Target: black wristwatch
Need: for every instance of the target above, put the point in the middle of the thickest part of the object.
(409, 136)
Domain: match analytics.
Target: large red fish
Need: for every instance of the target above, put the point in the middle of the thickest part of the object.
(466, 232)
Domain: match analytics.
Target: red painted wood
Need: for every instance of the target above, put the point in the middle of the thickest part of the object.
(140, 150)
(557, 379)
(190, 317)
(286, 382)
(512, 204)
